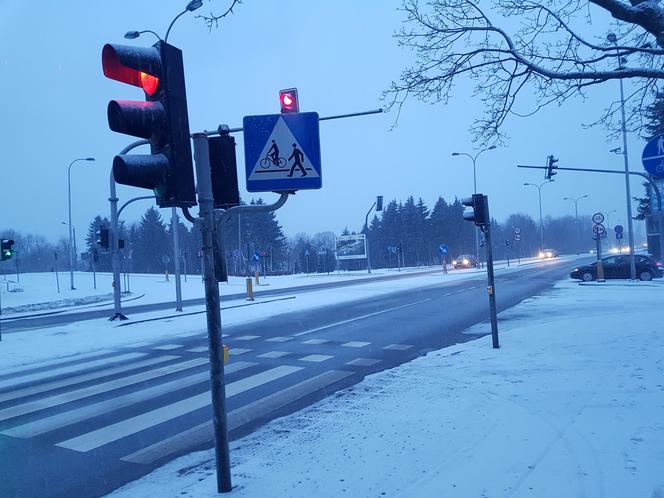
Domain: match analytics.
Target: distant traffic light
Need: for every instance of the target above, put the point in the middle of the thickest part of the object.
(289, 101)
(102, 238)
(479, 210)
(161, 119)
(379, 203)
(550, 166)
(6, 249)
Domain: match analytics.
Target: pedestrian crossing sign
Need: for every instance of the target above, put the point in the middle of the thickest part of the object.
(282, 152)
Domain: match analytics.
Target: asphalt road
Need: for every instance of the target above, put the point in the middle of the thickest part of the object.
(86, 425)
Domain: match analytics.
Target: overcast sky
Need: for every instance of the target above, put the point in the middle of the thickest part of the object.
(340, 55)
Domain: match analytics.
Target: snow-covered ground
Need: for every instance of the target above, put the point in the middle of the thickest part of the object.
(572, 405)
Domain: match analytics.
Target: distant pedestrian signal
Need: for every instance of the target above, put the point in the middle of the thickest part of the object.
(289, 101)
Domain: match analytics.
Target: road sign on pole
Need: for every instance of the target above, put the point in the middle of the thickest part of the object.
(443, 249)
(598, 218)
(282, 152)
(653, 156)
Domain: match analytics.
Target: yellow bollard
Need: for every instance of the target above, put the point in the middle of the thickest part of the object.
(600, 271)
(257, 276)
(250, 290)
(227, 353)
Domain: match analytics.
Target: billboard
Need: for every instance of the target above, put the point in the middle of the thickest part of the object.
(351, 246)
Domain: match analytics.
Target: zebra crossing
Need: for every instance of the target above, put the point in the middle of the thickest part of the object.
(147, 405)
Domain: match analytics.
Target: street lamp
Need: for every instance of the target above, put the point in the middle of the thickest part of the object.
(474, 159)
(539, 193)
(576, 200)
(72, 255)
(612, 38)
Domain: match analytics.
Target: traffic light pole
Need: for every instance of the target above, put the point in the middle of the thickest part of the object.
(366, 237)
(491, 289)
(213, 312)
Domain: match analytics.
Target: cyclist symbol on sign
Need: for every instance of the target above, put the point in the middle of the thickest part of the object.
(272, 158)
(297, 157)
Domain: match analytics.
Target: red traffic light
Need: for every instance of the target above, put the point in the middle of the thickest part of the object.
(288, 100)
(133, 65)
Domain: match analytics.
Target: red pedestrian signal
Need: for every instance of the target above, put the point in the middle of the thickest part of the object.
(161, 119)
(288, 100)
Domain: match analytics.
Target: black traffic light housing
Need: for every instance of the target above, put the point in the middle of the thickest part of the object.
(6, 249)
(379, 203)
(479, 209)
(550, 167)
(102, 238)
(161, 119)
(223, 166)
(289, 101)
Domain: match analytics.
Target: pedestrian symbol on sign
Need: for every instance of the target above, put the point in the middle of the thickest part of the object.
(297, 157)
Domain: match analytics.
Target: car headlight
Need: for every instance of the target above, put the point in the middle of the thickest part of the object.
(541, 254)
(454, 262)
(465, 261)
(549, 255)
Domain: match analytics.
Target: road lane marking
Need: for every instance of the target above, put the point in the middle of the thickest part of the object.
(168, 347)
(279, 339)
(238, 351)
(86, 392)
(55, 361)
(127, 427)
(80, 414)
(239, 417)
(355, 344)
(363, 362)
(398, 347)
(274, 354)
(315, 358)
(69, 369)
(315, 341)
(247, 337)
(200, 349)
(69, 381)
(343, 322)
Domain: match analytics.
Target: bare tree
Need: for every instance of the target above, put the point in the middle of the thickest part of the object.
(212, 19)
(553, 53)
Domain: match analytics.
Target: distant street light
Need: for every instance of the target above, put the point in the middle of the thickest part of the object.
(539, 193)
(72, 255)
(576, 200)
(474, 159)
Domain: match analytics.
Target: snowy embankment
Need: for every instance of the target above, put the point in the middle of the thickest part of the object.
(571, 405)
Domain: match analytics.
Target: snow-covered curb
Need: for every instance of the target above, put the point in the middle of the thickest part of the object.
(571, 405)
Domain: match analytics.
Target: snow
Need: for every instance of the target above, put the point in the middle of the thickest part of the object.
(572, 404)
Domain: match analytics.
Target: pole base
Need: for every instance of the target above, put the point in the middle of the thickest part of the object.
(118, 316)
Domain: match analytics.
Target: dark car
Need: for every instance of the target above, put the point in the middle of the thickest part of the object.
(647, 268)
(465, 261)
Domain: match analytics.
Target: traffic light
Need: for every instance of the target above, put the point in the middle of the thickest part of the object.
(478, 212)
(6, 249)
(550, 166)
(289, 101)
(102, 238)
(161, 119)
(379, 203)
(223, 166)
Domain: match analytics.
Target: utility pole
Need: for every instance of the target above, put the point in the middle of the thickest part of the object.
(539, 194)
(576, 200)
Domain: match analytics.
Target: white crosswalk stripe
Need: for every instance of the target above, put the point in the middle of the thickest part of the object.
(69, 369)
(56, 361)
(316, 358)
(113, 432)
(80, 414)
(398, 347)
(85, 392)
(355, 344)
(70, 381)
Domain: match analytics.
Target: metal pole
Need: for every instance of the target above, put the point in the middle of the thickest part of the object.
(477, 229)
(628, 195)
(491, 289)
(115, 252)
(206, 224)
(366, 224)
(71, 255)
(539, 192)
(176, 255)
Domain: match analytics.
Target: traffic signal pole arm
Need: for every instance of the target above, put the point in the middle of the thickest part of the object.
(589, 170)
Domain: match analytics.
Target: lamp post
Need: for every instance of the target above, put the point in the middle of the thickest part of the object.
(539, 193)
(72, 255)
(576, 200)
(612, 38)
(474, 159)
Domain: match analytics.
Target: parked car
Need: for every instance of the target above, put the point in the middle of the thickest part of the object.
(465, 261)
(547, 254)
(647, 268)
